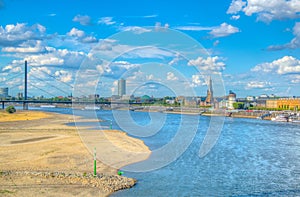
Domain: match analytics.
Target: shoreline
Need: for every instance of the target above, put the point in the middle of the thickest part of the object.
(48, 145)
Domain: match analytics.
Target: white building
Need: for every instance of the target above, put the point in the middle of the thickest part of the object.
(231, 99)
(250, 98)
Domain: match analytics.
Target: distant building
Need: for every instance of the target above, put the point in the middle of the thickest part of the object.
(223, 104)
(114, 97)
(145, 99)
(121, 87)
(288, 103)
(170, 101)
(263, 96)
(284, 103)
(3, 92)
(127, 97)
(250, 98)
(180, 100)
(231, 99)
(20, 95)
(190, 101)
(210, 96)
(261, 103)
(271, 104)
(94, 96)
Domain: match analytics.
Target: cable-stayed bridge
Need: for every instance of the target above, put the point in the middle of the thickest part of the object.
(21, 80)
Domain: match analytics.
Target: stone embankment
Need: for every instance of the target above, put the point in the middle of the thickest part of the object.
(107, 183)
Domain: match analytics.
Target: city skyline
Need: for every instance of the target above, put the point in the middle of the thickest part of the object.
(253, 45)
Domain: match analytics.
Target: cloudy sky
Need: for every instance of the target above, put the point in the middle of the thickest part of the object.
(253, 45)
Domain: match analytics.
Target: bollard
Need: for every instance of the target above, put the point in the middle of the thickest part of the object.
(95, 163)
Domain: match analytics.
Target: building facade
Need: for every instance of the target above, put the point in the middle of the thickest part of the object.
(121, 87)
(288, 103)
(3, 92)
(271, 104)
(283, 103)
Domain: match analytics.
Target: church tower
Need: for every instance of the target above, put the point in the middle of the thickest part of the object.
(209, 97)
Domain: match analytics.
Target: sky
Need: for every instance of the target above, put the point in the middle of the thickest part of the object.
(160, 47)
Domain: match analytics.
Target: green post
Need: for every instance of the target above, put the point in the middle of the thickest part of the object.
(110, 124)
(95, 163)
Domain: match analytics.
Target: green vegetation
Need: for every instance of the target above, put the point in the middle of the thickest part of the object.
(5, 191)
(238, 105)
(266, 109)
(10, 109)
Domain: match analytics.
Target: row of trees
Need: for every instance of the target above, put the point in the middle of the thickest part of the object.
(240, 105)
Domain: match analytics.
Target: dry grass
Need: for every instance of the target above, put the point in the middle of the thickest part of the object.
(22, 116)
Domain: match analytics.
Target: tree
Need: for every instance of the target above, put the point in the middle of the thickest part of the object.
(238, 105)
(11, 109)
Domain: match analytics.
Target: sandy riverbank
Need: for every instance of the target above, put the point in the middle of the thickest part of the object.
(41, 156)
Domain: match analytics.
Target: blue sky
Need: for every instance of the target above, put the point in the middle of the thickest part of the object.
(253, 45)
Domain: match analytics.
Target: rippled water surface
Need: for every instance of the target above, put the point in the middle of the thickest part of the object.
(251, 157)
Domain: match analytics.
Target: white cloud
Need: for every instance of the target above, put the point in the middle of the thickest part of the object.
(13, 35)
(293, 44)
(53, 58)
(112, 49)
(33, 46)
(224, 30)
(63, 76)
(150, 52)
(150, 77)
(160, 27)
(76, 32)
(295, 79)
(196, 80)
(267, 11)
(235, 17)
(83, 20)
(106, 21)
(81, 36)
(216, 43)
(171, 77)
(285, 65)
(194, 28)
(218, 31)
(116, 69)
(40, 72)
(236, 6)
(258, 85)
(175, 60)
(209, 64)
(12, 69)
(151, 16)
(136, 29)
(89, 39)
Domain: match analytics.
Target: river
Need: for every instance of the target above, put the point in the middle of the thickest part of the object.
(251, 158)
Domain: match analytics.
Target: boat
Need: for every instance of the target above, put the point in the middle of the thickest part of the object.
(294, 119)
(280, 118)
(48, 106)
(92, 108)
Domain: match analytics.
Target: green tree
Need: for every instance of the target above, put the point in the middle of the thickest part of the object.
(10, 109)
(238, 105)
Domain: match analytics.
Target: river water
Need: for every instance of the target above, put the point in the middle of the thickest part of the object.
(251, 158)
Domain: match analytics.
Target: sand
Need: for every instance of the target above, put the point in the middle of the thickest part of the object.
(33, 142)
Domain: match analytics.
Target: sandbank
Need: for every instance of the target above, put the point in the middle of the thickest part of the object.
(35, 144)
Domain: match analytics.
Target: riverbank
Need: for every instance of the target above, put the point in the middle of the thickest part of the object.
(41, 155)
